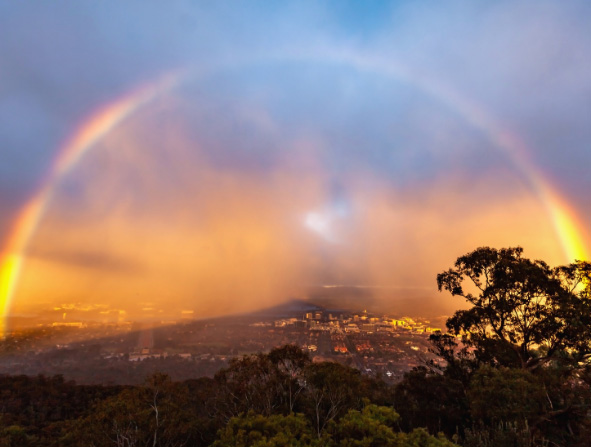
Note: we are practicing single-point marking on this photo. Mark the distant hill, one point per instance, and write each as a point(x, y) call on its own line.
point(294, 307)
point(402, 302)
point(343, 298)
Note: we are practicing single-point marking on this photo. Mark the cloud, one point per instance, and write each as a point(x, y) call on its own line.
point(99, 261)
point(202, 198)
point(160, 217)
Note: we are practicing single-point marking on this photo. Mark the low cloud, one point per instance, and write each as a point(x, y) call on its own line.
point(150, 215)
point(274, 168)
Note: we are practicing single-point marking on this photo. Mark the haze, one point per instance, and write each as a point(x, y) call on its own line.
point(276, 167)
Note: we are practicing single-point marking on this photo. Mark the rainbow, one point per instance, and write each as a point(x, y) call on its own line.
point(92, 130)
point(563, 218)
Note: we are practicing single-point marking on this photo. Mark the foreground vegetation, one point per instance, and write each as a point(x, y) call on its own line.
point(515, 372)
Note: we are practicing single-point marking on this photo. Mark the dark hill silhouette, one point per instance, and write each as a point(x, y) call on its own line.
point(294, 307)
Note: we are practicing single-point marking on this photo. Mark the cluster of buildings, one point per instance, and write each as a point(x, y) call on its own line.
point(374, 344)
point(351, 324)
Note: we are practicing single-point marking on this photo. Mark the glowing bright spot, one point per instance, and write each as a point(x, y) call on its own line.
point(10, 265)
point(320, 223)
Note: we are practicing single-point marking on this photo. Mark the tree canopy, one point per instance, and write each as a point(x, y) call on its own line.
point(524, 313)
point(522, 368)
point(514, 370)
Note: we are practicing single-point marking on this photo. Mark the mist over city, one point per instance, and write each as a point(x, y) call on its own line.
point(186, 183)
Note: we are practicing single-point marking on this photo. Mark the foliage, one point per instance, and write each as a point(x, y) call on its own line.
point(16, 436)
point(263, 383)
point(432, 400)
point(248, 383)
point(526, 346)
point(331, 390)
point(503, 434)
point(513, 370)
point(38, 408)
point(256, 430)
point(524, 314)
point(373, 426)
point(153, 415)
point(503, 394)
point(289, 363)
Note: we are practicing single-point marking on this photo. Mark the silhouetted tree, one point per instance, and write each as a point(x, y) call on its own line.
point(531, 324)
point(249, 383)
point(289, 362)
point(430, 399)
point(331, 390)
point(153, 415)
point(523, 313)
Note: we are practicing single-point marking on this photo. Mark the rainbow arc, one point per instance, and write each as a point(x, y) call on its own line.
point(100, 123)
point(92, 130)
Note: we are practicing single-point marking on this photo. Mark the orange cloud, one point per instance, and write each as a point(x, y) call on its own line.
point(152, 216)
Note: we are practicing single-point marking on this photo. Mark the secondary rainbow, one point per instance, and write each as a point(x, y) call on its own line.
point(91, 131)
